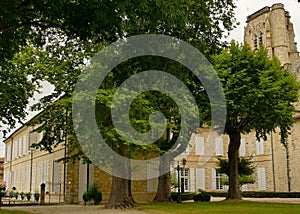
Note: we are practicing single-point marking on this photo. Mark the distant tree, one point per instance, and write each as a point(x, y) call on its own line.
point(259, 95)
point(246, 169)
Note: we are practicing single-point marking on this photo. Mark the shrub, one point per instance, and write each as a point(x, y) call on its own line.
point(36, 196)
point(92, 193)
point(28, 195)
point(184, 196)
point(22, 194)
point(202, 196)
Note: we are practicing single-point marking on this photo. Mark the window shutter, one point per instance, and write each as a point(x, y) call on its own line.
point(41, 174)
point(187, 150)
point(219, 146)
point(20, 151)
point(33, 177)
point(200, 179)
point(213, 179)
point(199, 145)
point(28, 178)
point(55, 177)
point(243, 147)
point(24, 144)
point(32, 139)
point(192, 179)
point(261, 175)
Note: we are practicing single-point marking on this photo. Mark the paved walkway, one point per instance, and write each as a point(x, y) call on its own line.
point(74, 209)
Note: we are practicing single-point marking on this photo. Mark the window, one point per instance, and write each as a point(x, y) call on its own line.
point(261, 178)
point(260, 38)
point(255, 43)
point(219, 150)
point(184, 178)
point(199, 145)
point(217, 181)
point(260, 146)
point(243, 147)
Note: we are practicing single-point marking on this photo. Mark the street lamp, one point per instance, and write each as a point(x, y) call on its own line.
point(178, 173)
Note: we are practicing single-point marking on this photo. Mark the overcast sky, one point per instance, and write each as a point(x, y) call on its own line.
point(245, 8)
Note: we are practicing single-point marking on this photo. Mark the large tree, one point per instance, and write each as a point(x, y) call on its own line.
point(88, 22)
point(259, 95)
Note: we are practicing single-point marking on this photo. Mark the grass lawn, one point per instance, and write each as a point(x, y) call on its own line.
point(12, 212)
point(221, 207)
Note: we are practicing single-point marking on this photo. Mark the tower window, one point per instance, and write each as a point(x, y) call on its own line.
point(255, 42)
point(260, 38)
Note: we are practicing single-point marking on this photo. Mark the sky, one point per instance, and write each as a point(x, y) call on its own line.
point(244, 8)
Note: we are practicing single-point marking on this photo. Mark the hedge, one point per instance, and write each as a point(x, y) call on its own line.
point(184, 196)
point(256, 194)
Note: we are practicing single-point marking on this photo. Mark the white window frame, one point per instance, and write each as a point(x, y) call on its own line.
point(184, 174)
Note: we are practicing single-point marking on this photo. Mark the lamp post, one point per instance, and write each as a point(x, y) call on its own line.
point(178, 173)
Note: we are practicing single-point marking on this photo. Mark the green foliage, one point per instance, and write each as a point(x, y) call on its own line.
point(246, 166)
point(186, 196)
point(259, 92)
point(246, 169)
point(92, 194)
point(28, 195)
point(202, 197)
point(259, 97)
point(22, 194)
point(261, 194)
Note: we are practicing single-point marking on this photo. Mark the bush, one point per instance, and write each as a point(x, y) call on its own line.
point(92, 193)
point(260, 194)
point(184, 196)
point(202, 196)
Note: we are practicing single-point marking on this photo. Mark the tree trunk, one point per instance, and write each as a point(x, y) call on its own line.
point(163, 193)
point(120, 195)
point(233, 160)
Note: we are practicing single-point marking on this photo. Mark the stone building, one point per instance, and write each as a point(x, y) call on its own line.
point(277, 166)
point(1, 171)
point(272, 28)
point(26, 169)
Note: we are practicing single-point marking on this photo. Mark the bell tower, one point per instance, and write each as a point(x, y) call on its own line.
point(271, 27)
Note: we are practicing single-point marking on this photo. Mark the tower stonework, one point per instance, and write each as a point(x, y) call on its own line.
point(271, 27)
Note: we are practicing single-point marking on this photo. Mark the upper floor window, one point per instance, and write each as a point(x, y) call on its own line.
point(260, 146)
point(219, 146)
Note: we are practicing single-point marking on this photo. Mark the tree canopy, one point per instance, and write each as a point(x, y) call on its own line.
point(60, 35)
point(259, 95)
point(25, 22)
